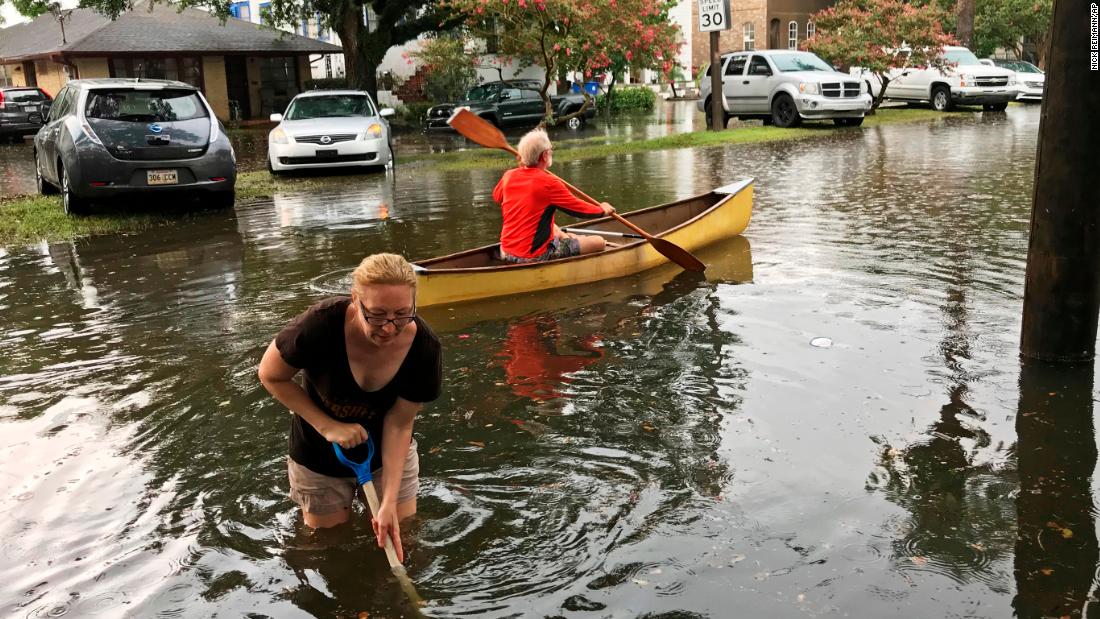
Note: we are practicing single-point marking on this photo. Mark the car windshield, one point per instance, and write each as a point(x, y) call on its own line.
point(330, 106)
point(961, 57)
point(1021, 66)
point(803, 61)
point(24, 96)
point(144, 105)
point(482, 93)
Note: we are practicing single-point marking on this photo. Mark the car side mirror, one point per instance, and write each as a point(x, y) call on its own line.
point(386, 111)
point(276, 118)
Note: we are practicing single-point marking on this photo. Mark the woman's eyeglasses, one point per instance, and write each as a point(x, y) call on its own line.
point(378, 321)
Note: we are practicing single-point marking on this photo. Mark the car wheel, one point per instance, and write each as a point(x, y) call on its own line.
point(44, 188)
point(223, 200)
point(725, 117)
point(995, 107)
point(941, 98)
point(72, 204)
point(392, 161)
point(575, 123)
point(784, 112)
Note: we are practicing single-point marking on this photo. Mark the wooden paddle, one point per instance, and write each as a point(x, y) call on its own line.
point(483, 132)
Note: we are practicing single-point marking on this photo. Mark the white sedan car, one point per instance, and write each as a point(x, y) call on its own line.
point(330, 129)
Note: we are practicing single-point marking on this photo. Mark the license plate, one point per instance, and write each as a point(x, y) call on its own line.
point(327, 153)
point(162, 177)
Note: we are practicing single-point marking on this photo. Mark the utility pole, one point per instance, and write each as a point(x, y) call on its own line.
point(1062, 290)
point(714, 17)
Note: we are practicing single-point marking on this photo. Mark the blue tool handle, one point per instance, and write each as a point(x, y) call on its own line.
point(361, 469)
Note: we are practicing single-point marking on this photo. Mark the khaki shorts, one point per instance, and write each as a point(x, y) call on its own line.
point(321, 494)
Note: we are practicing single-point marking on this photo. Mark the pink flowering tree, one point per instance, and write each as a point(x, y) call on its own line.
point(867, 34)
point(580, 36)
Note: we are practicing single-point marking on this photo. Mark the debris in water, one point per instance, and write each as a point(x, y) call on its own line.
point(735, 559)
point(477, 444)
point(821, 342)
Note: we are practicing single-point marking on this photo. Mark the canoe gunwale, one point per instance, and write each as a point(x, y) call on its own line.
point(423, 267)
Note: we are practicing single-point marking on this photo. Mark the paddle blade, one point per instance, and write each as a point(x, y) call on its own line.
point(477, 129)
point(678, 254)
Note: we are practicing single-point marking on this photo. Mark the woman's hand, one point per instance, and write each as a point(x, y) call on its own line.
point(346, 435)
point(385, 523)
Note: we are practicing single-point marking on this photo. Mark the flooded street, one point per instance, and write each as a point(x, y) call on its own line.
point(832, 422)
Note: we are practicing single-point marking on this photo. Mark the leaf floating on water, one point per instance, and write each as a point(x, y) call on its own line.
point(639, 581)
point(1046, 571)
point(735, 559)
point(477, 444)
point(919, 560)
point(435, 450)
point(978, 547)
point(464, 336)
point(1066, 533)
point(364, 614)
point(648, 427)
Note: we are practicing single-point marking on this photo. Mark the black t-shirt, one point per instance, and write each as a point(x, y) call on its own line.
point(314, 342)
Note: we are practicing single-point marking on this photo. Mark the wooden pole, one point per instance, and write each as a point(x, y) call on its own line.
point(717, 115)
point(1062, 290)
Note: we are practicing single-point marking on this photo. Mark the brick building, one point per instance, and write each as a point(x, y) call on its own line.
point(758, 24)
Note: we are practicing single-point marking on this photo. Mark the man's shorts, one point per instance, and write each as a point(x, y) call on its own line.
point(321, 494)
point(558, 248)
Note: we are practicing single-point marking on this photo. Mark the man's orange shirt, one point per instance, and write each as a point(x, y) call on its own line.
point(528, 198)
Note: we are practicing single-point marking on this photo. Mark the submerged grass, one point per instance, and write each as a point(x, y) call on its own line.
point(29, 219)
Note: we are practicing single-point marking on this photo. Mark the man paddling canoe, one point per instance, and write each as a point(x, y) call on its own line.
point(528, 196)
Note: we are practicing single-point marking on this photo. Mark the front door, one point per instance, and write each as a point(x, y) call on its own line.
point(757, 86)
point(29, 74)
point(510, 106)
point(236, 84)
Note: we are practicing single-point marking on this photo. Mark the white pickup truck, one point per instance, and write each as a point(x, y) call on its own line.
point(964, 80)
point(785, 87)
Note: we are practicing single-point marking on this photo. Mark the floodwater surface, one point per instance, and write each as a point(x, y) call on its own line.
point(831, 422)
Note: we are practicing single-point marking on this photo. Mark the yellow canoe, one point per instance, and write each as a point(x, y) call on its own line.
point(692, 223)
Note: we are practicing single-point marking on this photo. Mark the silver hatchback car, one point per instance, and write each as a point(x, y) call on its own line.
point(105, 138)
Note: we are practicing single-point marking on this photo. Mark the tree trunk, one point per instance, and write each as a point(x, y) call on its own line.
point(348, 26)
point(607, 100)
point(964, 28)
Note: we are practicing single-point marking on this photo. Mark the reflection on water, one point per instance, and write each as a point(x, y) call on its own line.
point(668, 443)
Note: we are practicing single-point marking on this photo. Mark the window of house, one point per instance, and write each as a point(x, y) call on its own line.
point(792, 35)
point(187, 69)
point(265, 12)
point(810, 29)
point(241, 10)
point(749, 36)
point(5, 75)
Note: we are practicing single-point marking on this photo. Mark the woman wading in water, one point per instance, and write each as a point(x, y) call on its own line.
point(368, 363)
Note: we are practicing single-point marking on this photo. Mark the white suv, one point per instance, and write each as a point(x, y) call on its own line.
point(964, 81)
point(785, 87)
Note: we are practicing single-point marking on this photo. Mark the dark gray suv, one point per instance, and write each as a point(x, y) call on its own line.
point(105, 138)
point(20, 111)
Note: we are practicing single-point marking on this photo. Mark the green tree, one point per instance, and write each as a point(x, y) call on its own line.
point(579, 36)
point(866, 33)
point(1009, 23)
point(450, 68)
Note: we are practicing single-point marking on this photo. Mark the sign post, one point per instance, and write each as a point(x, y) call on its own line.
point(714, 16)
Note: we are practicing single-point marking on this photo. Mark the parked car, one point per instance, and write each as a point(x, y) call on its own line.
point(511, 103)
point(963, 81)
point(104, 138)
point(330, 129)
point(785, 87)
point(19, 111)
point(1030, 79)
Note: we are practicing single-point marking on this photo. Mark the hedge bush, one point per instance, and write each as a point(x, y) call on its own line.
point(629, 99)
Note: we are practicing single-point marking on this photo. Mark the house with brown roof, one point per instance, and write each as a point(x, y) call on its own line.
point(238, 65)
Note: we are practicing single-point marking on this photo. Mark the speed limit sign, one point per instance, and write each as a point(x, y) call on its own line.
point(714, 15)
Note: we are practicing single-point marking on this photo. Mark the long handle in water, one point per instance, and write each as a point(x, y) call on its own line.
point(364, 476)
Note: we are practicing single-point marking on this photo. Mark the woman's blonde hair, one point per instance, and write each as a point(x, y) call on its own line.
point(532, 146)
point(383, 270)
